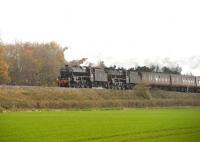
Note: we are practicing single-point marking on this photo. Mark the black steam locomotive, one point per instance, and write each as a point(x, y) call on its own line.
point(111, 78)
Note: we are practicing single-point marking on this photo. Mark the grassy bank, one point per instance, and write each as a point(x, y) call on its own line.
point(138, 125)
point(22, 97)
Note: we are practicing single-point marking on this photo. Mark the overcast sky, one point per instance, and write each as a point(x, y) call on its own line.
point(121, 32)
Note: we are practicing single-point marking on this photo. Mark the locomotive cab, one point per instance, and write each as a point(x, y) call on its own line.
point(64, 77)
point(74, 76)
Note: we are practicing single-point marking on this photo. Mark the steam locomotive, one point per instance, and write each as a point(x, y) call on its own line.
point(111, 78)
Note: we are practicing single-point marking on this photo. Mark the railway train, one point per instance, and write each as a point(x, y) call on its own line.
point(110, 78)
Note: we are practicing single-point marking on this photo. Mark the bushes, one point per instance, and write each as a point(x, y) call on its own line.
point(142, 90)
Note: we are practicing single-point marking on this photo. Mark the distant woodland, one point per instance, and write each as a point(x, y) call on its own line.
point(39, 64)
point(30, 63)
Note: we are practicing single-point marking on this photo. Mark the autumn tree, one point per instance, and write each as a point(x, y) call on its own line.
point(3, 66)
point(34, 63)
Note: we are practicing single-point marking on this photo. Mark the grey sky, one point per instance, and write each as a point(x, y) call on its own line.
point(122, 32)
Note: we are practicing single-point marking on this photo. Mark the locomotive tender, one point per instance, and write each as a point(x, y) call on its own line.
point(110, 78)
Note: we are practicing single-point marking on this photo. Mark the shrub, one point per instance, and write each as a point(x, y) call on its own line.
point(142, 90)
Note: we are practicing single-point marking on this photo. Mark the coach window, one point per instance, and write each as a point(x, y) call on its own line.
point(156, 78)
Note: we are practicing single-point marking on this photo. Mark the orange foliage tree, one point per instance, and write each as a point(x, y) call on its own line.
point(34, 63)
point(3, 66)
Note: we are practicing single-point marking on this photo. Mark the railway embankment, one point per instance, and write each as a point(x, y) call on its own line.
point(32, 97)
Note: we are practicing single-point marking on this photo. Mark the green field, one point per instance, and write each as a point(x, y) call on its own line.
point(141, 125)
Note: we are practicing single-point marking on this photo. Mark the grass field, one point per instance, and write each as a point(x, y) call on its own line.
point(131, 125)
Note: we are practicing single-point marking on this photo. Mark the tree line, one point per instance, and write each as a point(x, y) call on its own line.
point(152, 68)
point(30, 63)
point(156, 68)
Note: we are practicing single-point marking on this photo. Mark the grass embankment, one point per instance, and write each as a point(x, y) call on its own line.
point(19, 97)
point(138, 125)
